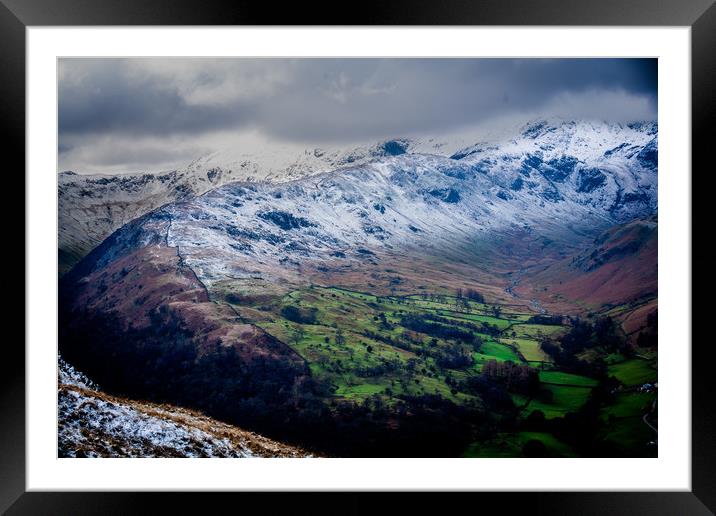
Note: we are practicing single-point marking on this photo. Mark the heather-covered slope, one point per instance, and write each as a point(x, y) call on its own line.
point(619, 266)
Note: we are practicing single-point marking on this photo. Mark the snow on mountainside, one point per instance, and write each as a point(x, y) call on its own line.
point(552, 179)
point(92, 206)
point(94, 424)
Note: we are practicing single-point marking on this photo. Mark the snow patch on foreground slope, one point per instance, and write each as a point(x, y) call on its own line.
point(94, 424)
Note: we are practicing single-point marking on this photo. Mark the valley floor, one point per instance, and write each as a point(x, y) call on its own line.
point(378, 350)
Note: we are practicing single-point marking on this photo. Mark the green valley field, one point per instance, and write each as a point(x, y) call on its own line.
point(377, 351)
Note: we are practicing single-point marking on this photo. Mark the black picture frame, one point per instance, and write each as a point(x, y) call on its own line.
point(700, 15)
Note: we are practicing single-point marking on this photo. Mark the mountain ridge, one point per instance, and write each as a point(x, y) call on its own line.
point(406, 201)
point(91, 207)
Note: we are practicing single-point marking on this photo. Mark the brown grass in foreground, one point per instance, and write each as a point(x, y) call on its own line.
point(102, 441)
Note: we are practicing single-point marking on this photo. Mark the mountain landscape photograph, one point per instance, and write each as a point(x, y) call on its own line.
point(357, 257)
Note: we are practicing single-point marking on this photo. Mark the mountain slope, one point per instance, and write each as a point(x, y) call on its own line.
point(94, 424)
point(596, 161)
point(619, 266)
point(488, 204)
point(93, 206)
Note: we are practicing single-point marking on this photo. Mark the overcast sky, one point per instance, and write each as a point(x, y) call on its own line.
point(137, 115)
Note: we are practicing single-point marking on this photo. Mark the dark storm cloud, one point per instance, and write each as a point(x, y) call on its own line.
point(343, 99)
point(327, 100)
point(108, 96)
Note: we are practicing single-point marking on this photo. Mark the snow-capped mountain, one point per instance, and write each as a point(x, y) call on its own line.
point(552, 179)
point(92, 206)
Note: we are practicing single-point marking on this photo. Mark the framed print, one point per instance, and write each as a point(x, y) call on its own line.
point(425, 251)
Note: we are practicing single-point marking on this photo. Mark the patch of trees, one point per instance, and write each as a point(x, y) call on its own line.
point(649, 337)
point(582, 429)
point(386, 366)
point(583, 335)
point(567, 361)
point(471, 294)
point(447, 357)
point(423, 324)
point(383, 322)
point(435, 298)
point(552, 320)
point(578, 338)
point(606, 336)
point(518, 378)
point(453, 357)
point(481, 327)
point(493, 394)
point(490, 329)
point(474, 295)
point(299, 315)
point(427, 425)
point(395, 342)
